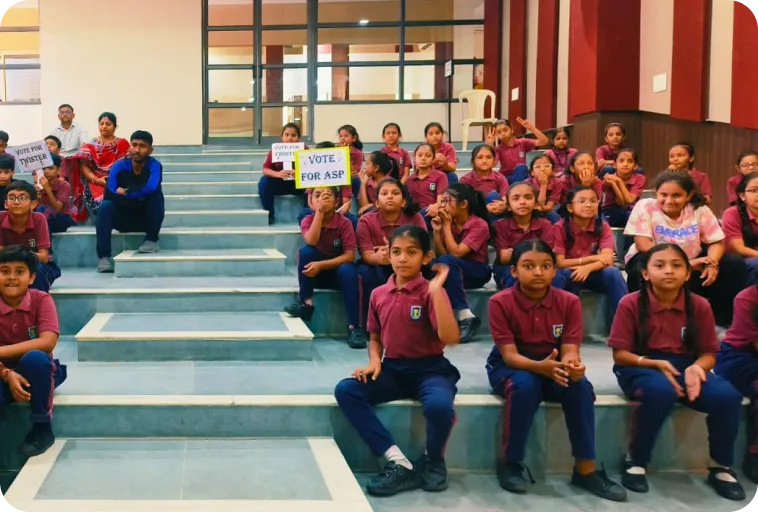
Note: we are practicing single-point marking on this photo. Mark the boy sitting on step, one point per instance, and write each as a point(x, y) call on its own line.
point(28, 335)
point(21, 225)
point(54, 195)
point(7, 171)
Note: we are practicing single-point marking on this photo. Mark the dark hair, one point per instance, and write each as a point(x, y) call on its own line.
point(325, 144)
point(143, 136)
point(526, 246)
point(56, 159)
point(631, 151)
point(293, 126)
point(22, 186)
point(535, 213)
point(110, 116)
point(478, 149)
point(563, 129)
point(389, 125)
point(748, 235)
point(568, 215)
point(427, 145)
point(411, 208)
point(66, 105)
point(420, 235)
point(643, 304)
point(386, 164)
point(7, 162)
point(690, 151)
point(574, 158)
point(54, 139)
point(503, 122)
point(615, 125)
point(685, 181)
point(19, 254)
point(433, 124)
point(539, 157)
point(476, 203)
point(745, 154)
point(4, 137)
point(349, 128)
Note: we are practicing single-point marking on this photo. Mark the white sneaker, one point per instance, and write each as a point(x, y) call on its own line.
point(148, 247)
point(105, 266)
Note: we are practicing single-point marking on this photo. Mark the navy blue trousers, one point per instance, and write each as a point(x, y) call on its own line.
point(740, 368)
point(47, 273)
point(520, 173)
point(656, 396)
point(504, 279)
point(524, 392)
point(44, 375)
point(452, 177)
point(464, 275)
point(430, 380)
point(57, 222)
point(269, 188)
point(371, 277)
point(144, 216)
point(343, 278)
point(608, 281)
point(309, 211)
point(609, 169)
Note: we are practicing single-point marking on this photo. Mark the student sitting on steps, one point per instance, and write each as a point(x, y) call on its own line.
point(7, 171)
point(54, 198)
point(28, 335)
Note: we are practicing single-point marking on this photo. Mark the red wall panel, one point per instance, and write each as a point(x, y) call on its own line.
point(744, 68)
point(690, 67)
point(493, 53)
point(517, 63)
point(547, 64)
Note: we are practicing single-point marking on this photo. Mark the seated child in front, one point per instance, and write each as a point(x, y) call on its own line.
point(394, 208)
point(664, 347)
point(622, 189)
point(582, 171)
point(54, 195)
point(348, 137)
point(392, 136)
point(28, 335)
point(560, 152)
point(512, 151)
point(486, 180)
point(7, 171)
point(21, 225)
point(615, 135)
point(426, 184)
point(740, 225)
point(328, 261)
point(379, 166)
point(537, 331)
point(747, 163)
point(276, 181)
point(411, 322)
point(53, 144)
point(682, 159)
point(445, 157)
point(549, 188)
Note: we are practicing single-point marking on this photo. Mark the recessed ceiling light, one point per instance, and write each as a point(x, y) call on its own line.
point(363, 22)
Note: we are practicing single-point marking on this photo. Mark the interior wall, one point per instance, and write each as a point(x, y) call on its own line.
point(23, 123)
point(656, 51)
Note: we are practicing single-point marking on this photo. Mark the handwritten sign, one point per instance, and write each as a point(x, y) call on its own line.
point(33, 156)
point(328, 167)
point(284, 152)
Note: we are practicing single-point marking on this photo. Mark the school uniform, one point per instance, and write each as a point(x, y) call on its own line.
point(35, 315)
point(617, 215)
point(448, 150)
point(373, 230)
point(4, 194)
point(493, 186)
point(587, 242)
point(473, 270)
point(656, 396)
point(346, 196)
point(270, 187)
point(702, 181)
point(413, 367)
point(35, 237)
point(731, 188)
point(508, 235)
point(356, 165)
point(555, 188)
point(731, 224)
point(536, 328)
point(561, 160)
point(337, 237)
point(693, 231)
point(606, 152)
point(401, 156)
point(570, 182)
point(513, 159)
point(57, 222)
point(424, 191)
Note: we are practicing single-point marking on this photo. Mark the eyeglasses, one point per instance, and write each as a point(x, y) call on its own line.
point(752, 191)
point(17, 199)
point(753, 165)
point(66, 113)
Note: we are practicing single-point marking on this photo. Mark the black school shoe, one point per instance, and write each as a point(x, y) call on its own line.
point(635, 483)
point(300, 310)
point(39, 439)
point(468, 328)
point(511, 476)
point(729, 490)
point(433, 473)
point(750, 467)
point(393, 480)
point(356, 338)
point(599, 484)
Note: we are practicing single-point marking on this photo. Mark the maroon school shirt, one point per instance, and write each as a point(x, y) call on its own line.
point(731, 188)
point(425, 191)
point(448, 150)
point(635, 185)
point(743, 334)
point(36, 314)
point(475, 234)
point(536, 328)
point(401, 156)
point(508, 235)
point(373, 228)
point(586, 241)
point(275, 166)
point(702, 181)
point(492, 182)
point(404, 318)
point(731, 225)
point(61, 190)
point(665, 327)
point(561, 160)
point(570, 182)
point(605, 152)
point(511, 156)
point(356, 160)
point(554, 189)
point(35, 237)
point(337, 236)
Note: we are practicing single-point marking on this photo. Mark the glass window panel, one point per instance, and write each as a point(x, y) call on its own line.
point(230, 12)
point(444, 10)
point(273, 118)
point(22, 14)
point(21, 84)
point(20, 59)
point(291, 12)
point(230, 48)
point(285, 47)
point(231, 122)
point(429, 82)
point(444, 42)
point(350, 11)
point(358, 83)
point(230, 86)
point(285, 85)
point(19, 43)
point(358, 44)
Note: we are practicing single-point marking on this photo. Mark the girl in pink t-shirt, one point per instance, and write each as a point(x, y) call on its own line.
point(679, 215)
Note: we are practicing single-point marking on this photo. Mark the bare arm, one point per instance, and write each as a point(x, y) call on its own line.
point(345, 257)
point(643, 243)
point(453, 247)
point(313, 235)
point(46, 343)
point(738, 245)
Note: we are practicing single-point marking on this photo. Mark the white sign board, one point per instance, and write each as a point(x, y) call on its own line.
point(328, 167)
point(448, 68)
point(31, 157)
point(284, 152)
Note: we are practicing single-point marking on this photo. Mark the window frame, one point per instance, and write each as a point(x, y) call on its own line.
point(4, 68)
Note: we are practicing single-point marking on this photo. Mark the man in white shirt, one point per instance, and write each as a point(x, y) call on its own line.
point(71, 134)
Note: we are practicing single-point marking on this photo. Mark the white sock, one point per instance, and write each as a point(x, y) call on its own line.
point(722, 475)
point(464, 314)
point(393, 454)
point(634, 470)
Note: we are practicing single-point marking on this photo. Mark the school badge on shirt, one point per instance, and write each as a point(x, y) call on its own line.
point(33, 334)
point(684, 333)
point(337, 243)
point(558, 331)
point(32, 243)
point(415, 312)
point(521, 154)
point(432, 187)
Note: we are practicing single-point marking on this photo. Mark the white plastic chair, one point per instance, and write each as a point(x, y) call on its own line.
point(476, 99)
